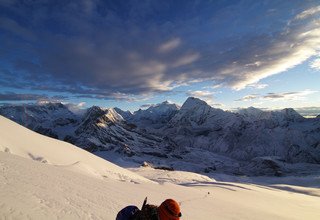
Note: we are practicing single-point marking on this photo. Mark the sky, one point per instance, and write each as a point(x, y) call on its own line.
point(129, 54)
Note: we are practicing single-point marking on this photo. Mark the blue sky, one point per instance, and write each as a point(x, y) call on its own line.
point(133, 53)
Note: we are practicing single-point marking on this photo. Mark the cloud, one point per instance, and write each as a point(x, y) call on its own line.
point(128, 51)
point(205, 95)
point(315, 64)
point(77, 108)
point(309, 12)
point(169, 45)
point(284, 96)
point(244, 60)
point(288, 95)
point(20, 97)
point(10, 96)
point(12, 26)
point(186, 59)
point(146, 105)
point(308, 111)
point(279, 54)
point(258, 85)
point(248, 97)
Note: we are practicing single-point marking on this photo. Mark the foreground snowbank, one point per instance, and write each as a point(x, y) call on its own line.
point(53, 189)
point(33, 190)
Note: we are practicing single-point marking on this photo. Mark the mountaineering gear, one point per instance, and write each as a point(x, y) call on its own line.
point(127, 213)
point(169, 210)
point(148, 212)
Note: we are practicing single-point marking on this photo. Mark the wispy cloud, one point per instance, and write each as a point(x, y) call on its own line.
point(248, 97)
point(284, 96)
point(258, 85)
point(297, 43)
point(186, 59)
point(315, 64)
point(169, 45)
point(289, 95)
point(146, 105)
point(205, 95)
point(77, 108)
point(309, 12)
point(309, 111)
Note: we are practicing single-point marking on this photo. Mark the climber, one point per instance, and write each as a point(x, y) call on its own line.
point(168, 210)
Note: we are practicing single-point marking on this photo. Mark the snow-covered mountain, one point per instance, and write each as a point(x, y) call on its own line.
point(105, 129)
point(156, 116)
point(195, 137)
point(248, 134)
point(51, 119)
point(278, 117)
point(97, 129)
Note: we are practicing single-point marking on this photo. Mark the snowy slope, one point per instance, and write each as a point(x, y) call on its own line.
point(17, 140)
point(30, 189)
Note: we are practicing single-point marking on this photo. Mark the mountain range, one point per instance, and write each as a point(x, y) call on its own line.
point(194, 137)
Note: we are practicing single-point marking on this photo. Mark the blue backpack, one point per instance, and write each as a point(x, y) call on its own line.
point(127, 213)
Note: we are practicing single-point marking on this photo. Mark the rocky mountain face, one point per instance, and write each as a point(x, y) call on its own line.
point(154, 117)
point(248, 134)
point(98, 129)
point(106, 130)
point(50, 119)
point(195, 137)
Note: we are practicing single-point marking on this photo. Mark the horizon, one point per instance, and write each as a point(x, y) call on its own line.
point(231, 54)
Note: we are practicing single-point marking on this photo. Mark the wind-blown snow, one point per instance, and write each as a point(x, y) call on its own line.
point(58, 188)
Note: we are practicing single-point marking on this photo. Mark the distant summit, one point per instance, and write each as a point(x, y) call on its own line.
point(192, 103)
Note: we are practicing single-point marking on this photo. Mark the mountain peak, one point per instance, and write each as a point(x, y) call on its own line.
point(251, 112)
point(292, 114)
point(125, 114)
point(165, 102)
point(193, 102)
point(113, 115)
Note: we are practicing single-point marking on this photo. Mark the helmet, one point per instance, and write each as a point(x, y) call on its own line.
point(169, 210)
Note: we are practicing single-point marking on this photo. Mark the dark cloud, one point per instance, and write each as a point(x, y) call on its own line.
point(114, 50)
point(20, 97)
point(298, 95)
point(272, 95)
point(289, 95)
point(27, 97)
